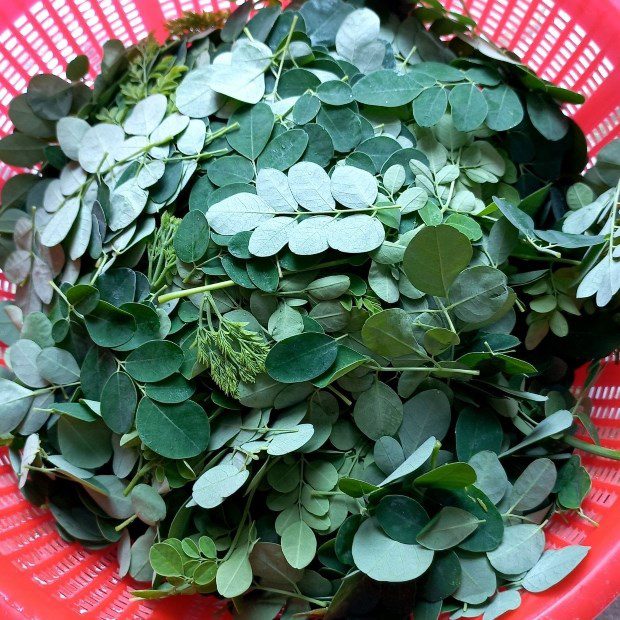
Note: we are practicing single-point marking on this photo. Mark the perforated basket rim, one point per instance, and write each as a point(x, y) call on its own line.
point(70, 582)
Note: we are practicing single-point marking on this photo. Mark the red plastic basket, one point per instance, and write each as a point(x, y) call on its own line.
point(573, 43)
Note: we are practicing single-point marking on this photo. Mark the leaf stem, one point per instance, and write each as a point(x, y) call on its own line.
point(162, 299)
point(125, 523)
point(301, 597)
point(340, 395)
point(139, 475)
point(460, 371)
point(608, 453)
point(287, 43)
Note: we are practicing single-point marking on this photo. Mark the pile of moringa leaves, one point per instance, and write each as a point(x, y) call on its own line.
point(298, 304)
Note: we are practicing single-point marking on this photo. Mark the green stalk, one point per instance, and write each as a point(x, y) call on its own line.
point(460, 371)
point(125, 523)
point(188, 292)
point(608, 453)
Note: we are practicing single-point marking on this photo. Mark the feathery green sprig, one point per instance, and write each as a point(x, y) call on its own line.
point(160, 251)
point(230, 352)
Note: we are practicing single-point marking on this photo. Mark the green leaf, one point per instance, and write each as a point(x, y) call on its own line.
point(355, 234)
point(298, 544)
point(234, 575)
point(306, 108)
point(98, 145)
point(194, 97)
point(109, 326)
point(384, 559)
point(401, 518)
point(148, 504)
point(77, 68)
point(83, 297)
point(353, 187)
point(84, 444)
point(503, 601)
point(57, 229)
point(357, 40)
point(388, 454)
point(346, 361)
point(270, 566)
point(553, 566)
point(284, 443)
point(505, 109)
point(118, 402)
point(166, 560)
point(22, 359)
point(344, 539)
point(383, 283)
point(15, 401)
point(301, 358)
point(334, 92)
point(236, 22)
point(355, 488)
point(146, 115)
point(309, 185)
point(447, 528)
point(238, 213)
point(469, 107)
point(243, 78)
point(219, 482)
point(70, 131)
point(425, 415)
point(448, 476)
point(284, 150)
point(18, 149)
point(154, 361)
point(385, 88)
point(273, 187)
point(546, 116)
point(491, 529)
point(555, 423)
point(477, 430)
point(533, 486)
point(173, 431)
point(425, 610)
point(414, 462)
point(97, 368)
point(149, 325)
point(518, 218)
point(573, 484)
point(192, 237)
point(443, 577)
point(74, 410)
point(255, 126)
point(343, 127)
point(270, 236)
point(478, 581)
point(49, 96)
point(390, 333)
point(491, 478)
point(378, 411)
point(430, 106)
point(174, 389)
point(519, 550)
point(435, 257)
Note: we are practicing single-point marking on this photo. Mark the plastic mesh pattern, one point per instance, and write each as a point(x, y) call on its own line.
point(571, 42)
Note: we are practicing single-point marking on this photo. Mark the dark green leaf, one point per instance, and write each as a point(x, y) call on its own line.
point(434, 257)
point(154, 361)
point(301, 358)
point(401, 518)
point(173, 431)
